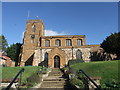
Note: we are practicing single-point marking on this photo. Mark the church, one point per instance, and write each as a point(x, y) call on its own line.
point(53, 51)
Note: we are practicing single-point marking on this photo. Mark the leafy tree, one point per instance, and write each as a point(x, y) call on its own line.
point(13, 51)
point(112, 44)
point(3, 43)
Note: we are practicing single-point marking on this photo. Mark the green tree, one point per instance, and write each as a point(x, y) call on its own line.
point(13, 51)
point(112, 44)
point(3, 43)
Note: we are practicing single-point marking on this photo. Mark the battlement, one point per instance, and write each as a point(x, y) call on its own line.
point(35, 21)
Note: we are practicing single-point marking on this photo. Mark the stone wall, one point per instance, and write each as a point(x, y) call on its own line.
point(70, 53)
point(39, 56)
point(85, 53)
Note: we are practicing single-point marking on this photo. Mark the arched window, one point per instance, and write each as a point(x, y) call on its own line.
point(47, 43)
point(46, 56)
point(46, 59)
point(79, 42)
point(33, 28)
point(57, 42)
point(78, 54)
point(68, 42)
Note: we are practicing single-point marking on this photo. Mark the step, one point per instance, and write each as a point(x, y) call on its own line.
point(55, 74)
point(54, 79)
point(56, 71)
point(52, 85)
point(60, 86)
point(53, 82)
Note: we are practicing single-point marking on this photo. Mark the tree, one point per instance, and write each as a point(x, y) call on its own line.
point(3, 43)
point(112, 44)
point(13, 51)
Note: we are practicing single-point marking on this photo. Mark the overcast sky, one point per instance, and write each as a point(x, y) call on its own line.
point(95, 20)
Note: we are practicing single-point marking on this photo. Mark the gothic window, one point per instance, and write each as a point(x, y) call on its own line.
point(79, 42)
point(33, 28)
point(78, 54)
point(57, 42)
point(40, 41)
point(47, 43)
point(68, 42)
point(46, 56)
point(46, 59)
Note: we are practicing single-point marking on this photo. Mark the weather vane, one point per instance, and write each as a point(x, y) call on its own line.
point(36, 17)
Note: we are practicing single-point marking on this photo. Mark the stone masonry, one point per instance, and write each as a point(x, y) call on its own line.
point(52, 51)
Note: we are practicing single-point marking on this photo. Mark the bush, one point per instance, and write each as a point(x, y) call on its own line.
point(34, 79)
point(42, 70)
point(74, 61)
point(112, 84)
point(77, 82)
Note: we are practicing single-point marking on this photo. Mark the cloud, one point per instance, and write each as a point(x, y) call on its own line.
point(22, 36)
point(53, 33)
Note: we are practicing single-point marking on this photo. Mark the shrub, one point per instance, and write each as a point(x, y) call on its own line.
point(34, 79)
point(74, 61)
point(112, 84)
point(77, 82)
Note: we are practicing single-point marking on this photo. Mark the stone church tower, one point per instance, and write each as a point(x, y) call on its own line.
point(52, 51)
point(32, 39)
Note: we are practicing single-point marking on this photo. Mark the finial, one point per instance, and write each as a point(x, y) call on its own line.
point(36, 17)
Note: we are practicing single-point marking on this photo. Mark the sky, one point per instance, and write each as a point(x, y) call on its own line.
point(96, 20)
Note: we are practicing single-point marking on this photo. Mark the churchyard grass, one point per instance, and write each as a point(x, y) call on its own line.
point(107, 70)
point(10, 72)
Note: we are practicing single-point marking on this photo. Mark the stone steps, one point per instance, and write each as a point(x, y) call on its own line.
point(54, 80)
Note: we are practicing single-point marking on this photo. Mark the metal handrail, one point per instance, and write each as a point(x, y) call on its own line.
point(19, 73)
point(89, 78)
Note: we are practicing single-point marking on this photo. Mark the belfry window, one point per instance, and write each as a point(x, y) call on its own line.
point(33, 28)
point(68, 42)
point(57, 42)
point(47, 43)
point(79, 42)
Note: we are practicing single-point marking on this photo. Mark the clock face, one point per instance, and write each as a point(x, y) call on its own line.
point(32, 36)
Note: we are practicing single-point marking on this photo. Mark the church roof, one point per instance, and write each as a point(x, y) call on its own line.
point(65, 36)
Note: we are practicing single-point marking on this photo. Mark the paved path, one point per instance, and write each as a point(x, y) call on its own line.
point(56, 81)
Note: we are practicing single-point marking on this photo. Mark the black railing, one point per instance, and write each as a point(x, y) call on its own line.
point(98, 87)
point(19, 73)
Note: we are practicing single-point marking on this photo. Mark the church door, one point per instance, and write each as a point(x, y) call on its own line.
point(56, 62)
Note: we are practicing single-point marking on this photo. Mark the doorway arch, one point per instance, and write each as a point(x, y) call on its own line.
point(56, 61)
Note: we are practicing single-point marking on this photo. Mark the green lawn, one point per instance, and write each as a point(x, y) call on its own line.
point(107, 70)
point(10, 72)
